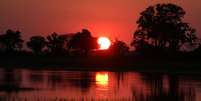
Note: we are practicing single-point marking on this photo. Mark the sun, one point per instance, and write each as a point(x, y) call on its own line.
point(104, 43)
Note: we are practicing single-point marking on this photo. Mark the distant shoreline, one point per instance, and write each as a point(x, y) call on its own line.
point(102, 64)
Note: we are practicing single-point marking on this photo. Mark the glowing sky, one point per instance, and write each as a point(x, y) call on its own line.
point(111, 18)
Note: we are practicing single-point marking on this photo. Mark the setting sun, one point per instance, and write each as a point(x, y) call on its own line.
point(104, 43)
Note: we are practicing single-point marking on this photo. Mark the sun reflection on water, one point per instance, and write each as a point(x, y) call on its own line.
point(102, 79)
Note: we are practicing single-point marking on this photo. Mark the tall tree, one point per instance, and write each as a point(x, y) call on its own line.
point(11, 41)
point(83, 41)
point(36, 44)
point(162, 26)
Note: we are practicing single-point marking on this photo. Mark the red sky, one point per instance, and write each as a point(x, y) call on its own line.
point(111, 18)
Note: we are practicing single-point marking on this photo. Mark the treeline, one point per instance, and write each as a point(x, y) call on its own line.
point(78, 44)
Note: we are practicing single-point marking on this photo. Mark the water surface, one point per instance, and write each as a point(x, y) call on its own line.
point(49, 85)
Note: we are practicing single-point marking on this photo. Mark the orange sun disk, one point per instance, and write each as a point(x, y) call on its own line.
point(104, 43)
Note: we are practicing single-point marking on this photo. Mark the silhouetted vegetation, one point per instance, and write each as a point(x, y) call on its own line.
point(11, 41)
point(36, 44)
point(83, 41)
point(162, 27)
point(55, 44)
point(119, 48)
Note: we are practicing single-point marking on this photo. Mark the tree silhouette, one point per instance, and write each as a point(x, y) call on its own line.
point(83, 41)
point(162, 26)
point(11, 41)
point(119, 48)
point(55, 43)
point(36, 44)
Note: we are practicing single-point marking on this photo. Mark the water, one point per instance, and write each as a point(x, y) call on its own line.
point(47, 85)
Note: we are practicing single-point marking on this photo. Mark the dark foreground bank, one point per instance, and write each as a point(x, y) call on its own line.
point(149, 64)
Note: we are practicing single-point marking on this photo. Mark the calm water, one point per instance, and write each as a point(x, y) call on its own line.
point(44, 85)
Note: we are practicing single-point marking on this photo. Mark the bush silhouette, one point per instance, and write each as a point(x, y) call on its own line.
point(36, 44)
point(119, 48)
point(11, 41)
point(56, 43)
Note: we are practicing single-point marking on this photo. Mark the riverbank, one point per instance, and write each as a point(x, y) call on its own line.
point(103, 64)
